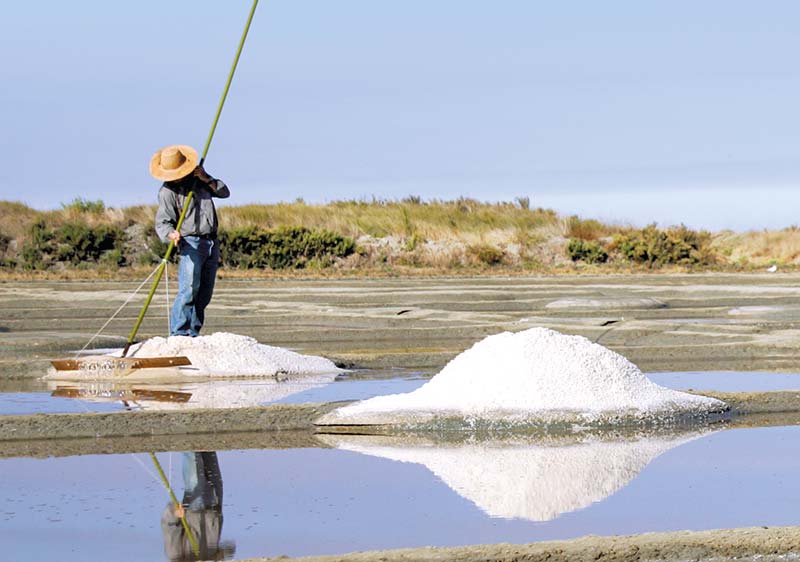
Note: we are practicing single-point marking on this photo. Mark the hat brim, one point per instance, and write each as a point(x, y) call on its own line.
point(177, 173)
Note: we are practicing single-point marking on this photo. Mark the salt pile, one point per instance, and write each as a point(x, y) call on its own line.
point(220, 355)
point(536, 480)
point(528, 377)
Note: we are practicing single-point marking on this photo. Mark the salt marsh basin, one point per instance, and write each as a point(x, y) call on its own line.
point(397, 333)
point(307, 497)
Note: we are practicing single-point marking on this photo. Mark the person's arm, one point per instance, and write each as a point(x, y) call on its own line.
point(167, 214)
point(174, 535)
point(217, 187)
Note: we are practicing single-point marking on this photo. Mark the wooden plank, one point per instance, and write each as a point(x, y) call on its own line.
point(119, 363)
point(126, 394)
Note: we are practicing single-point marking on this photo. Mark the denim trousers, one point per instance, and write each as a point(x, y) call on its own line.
point(197, 272)
point(202, 481)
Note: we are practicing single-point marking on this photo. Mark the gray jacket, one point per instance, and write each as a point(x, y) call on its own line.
point(201, 218)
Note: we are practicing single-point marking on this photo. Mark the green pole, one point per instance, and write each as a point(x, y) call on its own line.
point(228, 83)
point(171, 246)
point(192, 539)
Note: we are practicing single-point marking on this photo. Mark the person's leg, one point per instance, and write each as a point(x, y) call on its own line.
point(208, 278)
point(192, 469)
point(202, 481)
point(189, 270)
point(212, 493)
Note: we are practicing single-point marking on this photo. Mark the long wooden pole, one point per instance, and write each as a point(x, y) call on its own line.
point(171, 247)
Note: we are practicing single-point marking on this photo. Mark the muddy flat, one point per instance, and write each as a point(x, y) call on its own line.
point(660, 322)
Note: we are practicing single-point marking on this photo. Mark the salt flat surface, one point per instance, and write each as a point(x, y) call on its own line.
point(524, 376)
point(219, 355)
point(535, 480)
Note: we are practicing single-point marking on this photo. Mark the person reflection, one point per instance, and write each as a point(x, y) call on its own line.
point(202, 509)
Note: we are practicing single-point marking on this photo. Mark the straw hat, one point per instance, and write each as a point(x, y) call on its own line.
point(173, 162)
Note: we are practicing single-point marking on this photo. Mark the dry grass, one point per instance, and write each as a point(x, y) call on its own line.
point(589, 229)
point(437, 220)
point(434, 237)
point(757, 248)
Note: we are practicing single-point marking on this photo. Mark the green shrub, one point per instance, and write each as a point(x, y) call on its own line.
point(37, 248)
point(486, 254)
point(76, 242)
point(589, 251)
point(32, 257)
point(154, 250)
point(41, 235)
point(585, 229)
point(655, 247)
point(84, 206)
point(113, 258)
point(288, 247)
point(412, 242)
point(73, 241)
point(6, 261)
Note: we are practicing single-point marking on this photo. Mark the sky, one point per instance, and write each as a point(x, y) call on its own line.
point(633, 112)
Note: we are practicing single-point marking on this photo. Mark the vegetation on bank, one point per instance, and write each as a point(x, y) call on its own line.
point(380, 236)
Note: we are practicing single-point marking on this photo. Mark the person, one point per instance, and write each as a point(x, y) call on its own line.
point(201, 508)
point(197, 240)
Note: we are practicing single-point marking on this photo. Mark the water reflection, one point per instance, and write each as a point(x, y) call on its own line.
point(197, 537)
point(532, 478)
point(204, 394)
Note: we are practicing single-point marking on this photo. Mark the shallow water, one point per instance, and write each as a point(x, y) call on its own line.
point(37, 397)
point(317, 500)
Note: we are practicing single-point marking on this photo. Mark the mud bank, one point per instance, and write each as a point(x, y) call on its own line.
point(758, 543)
point(747, 409)
point(163, 423)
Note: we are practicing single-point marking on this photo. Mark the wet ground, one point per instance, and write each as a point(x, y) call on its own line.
point(304, 493)
point(697, 322)
point(25, 396)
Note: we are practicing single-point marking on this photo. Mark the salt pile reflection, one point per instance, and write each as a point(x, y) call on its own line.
point(207, 394)
point(532, 478)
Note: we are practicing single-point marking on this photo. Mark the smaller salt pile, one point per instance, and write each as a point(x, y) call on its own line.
point(534, 376)
point(219, 355)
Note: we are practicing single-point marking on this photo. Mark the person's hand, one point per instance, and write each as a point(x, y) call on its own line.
point(202, 175)
point(179, 511)
point(175, 236)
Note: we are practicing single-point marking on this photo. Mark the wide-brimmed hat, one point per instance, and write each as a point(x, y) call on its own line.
point(173, 162)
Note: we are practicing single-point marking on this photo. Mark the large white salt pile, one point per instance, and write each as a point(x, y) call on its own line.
point(537, 480)
point(218, 355)
point(533, 375)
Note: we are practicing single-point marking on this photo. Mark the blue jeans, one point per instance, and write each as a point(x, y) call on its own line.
point(197, 272)
point(202, 481)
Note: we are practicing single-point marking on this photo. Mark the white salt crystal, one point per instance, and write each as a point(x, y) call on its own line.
point(219, 355)
point(533, 373)
point(224, 354)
